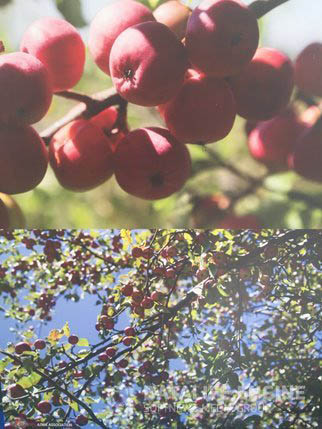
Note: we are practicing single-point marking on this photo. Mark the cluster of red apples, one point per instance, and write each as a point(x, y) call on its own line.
point(199, 68)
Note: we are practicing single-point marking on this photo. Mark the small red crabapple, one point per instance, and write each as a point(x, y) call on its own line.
point(110, 351)
point(73, 339)
point(44, 407)
point(127, 341)
point(127, 290)
point(40, 344)
point(22, 347)
point(129, 331)
point(200, 402)
point(81, 420)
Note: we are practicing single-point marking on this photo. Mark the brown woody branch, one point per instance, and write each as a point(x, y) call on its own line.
point(61, 389)
point(88, 107)
point(261, 7)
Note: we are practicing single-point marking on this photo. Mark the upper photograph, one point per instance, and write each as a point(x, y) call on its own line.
point(166, 114)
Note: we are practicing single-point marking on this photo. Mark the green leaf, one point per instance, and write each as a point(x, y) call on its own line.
point(48, 396)
point(4, 363)
point(73, 405)
point(83, 342)
point(72, 12)
point(66, 329)
point(126, 237)
point(32, 380)
point(54, 336)
point(66, 346)
point(28, 364)
point(83, 353)
point(222, 291)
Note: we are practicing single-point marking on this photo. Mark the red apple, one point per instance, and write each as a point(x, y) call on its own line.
point(127, 341)
point(81, 420)
point(40, 344)
point(148, 64)
point(123, 363)
point(81, 156)
point(127, 290)
point(147, 302)
point(44, 407)
point(129, 331)
point(106, 120)
point(264, 87)
point(109, 23)
point(271, 142)
point(22, 347)
point(73, 339)
point(103, 357)
point(203, 111)
point(23, 159)
point(307, 157)
point(200, 402)
point(137, 296)
point(59, 46)
point(137, 252)
point(16, 391)
point(110, 351)
point(222, 36)
point(150, 163)
point(25, 87)
point(308, 70)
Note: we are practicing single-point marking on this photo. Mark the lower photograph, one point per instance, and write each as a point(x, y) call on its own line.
point(160, 328)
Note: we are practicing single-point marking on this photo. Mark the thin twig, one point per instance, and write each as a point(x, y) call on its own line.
point(261, 7)
point(85, 109)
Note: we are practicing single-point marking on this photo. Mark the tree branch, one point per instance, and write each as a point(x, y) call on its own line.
point(61, 389)
point(88, 107)
point(261, 7)
point(245, 260)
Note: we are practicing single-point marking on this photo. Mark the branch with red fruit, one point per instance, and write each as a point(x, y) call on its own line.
point(59, 388)
point(208, 82)
point(290, 241)
point(96, 103)
point(89, 106)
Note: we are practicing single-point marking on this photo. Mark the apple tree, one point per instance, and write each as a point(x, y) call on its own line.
point(192, 328)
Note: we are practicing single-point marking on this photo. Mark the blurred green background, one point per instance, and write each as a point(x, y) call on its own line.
point(284, 200)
